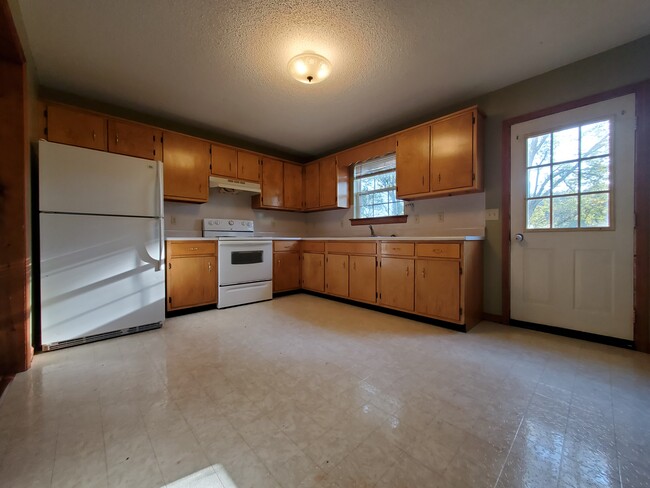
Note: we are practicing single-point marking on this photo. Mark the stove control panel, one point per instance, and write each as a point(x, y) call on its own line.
point(230, 225)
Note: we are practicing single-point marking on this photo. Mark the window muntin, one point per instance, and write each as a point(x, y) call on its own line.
point(375, 189)
point(569, 174)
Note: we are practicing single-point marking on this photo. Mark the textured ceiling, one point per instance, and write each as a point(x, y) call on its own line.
point(222, 65)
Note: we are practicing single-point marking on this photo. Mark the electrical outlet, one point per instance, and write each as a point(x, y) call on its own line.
point(172, 220)
point(441, 216)
point(492, 214)
point(417, 218)
point(342, 223)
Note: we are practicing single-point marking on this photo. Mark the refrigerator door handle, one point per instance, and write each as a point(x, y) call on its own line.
point(161, 215)
point(161, 240)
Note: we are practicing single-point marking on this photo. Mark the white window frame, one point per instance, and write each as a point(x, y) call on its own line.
point(386, 160)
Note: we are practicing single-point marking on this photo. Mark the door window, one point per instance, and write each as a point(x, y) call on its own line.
point(568, 175)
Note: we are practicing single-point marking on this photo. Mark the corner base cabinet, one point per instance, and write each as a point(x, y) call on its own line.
point(191, 274)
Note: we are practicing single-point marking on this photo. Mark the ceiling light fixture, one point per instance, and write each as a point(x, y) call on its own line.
point(309, 68)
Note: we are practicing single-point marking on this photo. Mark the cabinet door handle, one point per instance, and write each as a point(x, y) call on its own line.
point(354, 266)
point(210, 267)
point(94, 135)
point(407, 271)
point(343, 264)
point(117, 137)
point(424, 272)
point(422, 180)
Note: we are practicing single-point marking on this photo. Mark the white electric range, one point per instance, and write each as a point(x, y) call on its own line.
point(245, 262)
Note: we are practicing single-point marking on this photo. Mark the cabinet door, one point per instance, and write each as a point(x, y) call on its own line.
point(363, 278)
point(292, 186)
point(248, 166)
point(186, 165)
point(452, 152)
point(412, 161)
point(137, 140)
point(75, 127)
point(313, 271)
point(336, 275)
point(224, 161)
point(437, 288)
point(272, 183)
point(328, 182)
point(286, 271)
point(191, 281)
point(397, 283)
point(312, 186)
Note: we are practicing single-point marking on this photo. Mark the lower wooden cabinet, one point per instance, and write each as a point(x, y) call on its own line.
point(191, 274)
point(336, 274)
point(397, 283)
point(437, 288)
point(313, 271)
point(286, 266)
point(363, 278)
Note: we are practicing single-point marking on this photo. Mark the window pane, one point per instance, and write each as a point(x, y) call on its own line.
point(365, 200)
point(594, 210)
point(539, 182)
point(366, 184)
point(565, 145)
point(538, 150)
point(595, 139)
point(565, 178)
point(565, 212)
point(386, 180)
point(539, 213)
point(594, 175)
point(365, 212)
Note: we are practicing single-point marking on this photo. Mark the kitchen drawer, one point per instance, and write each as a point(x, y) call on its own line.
point(398, 248)
point(313, 246)
point(284, 246)
point(352, 247)
point(191, 248)
point(431, 250)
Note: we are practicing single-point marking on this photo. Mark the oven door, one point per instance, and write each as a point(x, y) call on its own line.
point(244, 262)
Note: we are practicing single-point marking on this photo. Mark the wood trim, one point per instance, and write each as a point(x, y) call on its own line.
point(641, 201)
point(492, 317)
point(10, 48)
point(395, 219)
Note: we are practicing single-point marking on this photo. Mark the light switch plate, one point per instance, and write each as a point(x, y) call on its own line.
point(492, 214)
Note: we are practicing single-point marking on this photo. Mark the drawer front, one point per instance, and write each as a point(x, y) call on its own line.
point(398, 248)
point(313, 246)
point(192, 248)
point(284, 246)
point(438, 250)
point(352, 247)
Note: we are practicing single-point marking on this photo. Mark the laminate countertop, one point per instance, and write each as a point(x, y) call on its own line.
point(378, 238)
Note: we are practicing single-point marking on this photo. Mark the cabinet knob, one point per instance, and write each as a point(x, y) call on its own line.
point(407, 271)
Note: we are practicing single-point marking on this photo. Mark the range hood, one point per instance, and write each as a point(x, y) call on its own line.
point(234, 186)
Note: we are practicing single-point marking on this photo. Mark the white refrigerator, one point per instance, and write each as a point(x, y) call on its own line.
point(102, 270)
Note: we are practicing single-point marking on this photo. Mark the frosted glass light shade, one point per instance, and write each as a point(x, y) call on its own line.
point(309, 68)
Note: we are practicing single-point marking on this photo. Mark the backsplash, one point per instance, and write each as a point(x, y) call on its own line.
point(185, 219)
point(459, 215)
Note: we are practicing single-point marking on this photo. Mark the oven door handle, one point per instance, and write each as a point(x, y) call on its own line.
point(244, 243)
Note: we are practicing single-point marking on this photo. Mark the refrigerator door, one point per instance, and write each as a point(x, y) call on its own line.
point(77, 180)
point(98, 274)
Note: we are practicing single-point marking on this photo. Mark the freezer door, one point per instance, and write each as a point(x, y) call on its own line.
point(77, 180)
point(98, 275)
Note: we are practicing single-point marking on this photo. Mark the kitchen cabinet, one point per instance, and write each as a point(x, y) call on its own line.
point(326, 185)
point(137, 140)
point(272, 183)
point(363, 278)
point(186, 166)
point(292, 182)
point(336, 274)
point(191, 274)
point(412, 161)
point(437, 288)
point(224, 161)
point(441, 158)
point(397, 282)
point(313, 265)
point(67, 125)
point(248, 166)
point(286, 266)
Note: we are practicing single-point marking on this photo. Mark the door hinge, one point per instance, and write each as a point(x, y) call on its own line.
point(473, 119)
point(210, 150)
point(161, 139)
point(170, 300)
point(473, 176)
point(397, 143)
point(327, 260)
point(460, 270)
point(380, 296)
point(376, 295)
point(170, 265)
point(460, 311)
point(45, 113)
point(45, 130)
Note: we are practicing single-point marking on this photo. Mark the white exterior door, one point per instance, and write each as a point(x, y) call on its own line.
point(572, 219)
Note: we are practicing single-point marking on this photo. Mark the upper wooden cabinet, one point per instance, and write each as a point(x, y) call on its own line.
point(281, 186)
point(186, 168)
point(292, 179)
point(441, 158)
point(248, 166)
point(75, 127)
point(412, 156)
point(326, 185)
point(137, 140)
point(224, 161)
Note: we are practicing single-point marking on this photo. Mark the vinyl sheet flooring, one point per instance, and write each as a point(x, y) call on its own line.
point(306, 392)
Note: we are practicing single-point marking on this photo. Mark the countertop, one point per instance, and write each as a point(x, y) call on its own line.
point(351, 238)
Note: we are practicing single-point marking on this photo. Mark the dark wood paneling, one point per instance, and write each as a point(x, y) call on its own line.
point(10, 48)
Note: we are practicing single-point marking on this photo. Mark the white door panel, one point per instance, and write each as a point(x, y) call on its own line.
point(98, 274)
point(580, 279)
point(79, 180)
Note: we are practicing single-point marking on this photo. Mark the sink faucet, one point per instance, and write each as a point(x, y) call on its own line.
point(372, 231)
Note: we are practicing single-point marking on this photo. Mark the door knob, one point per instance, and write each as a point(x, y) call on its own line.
point(519, 237)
